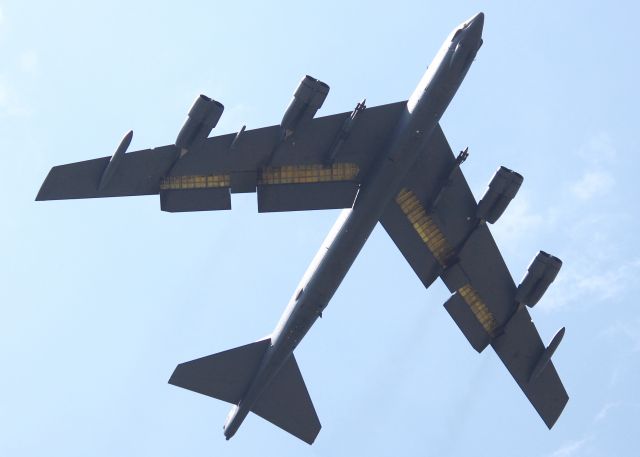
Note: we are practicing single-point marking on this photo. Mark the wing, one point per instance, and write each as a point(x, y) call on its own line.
point(433, 222)
point(302, 172)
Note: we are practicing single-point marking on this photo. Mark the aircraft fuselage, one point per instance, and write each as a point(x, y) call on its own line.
point(354, 226)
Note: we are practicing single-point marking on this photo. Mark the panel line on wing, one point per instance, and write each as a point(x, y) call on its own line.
point(290, 174)
point(300, 174)
point(195, 182)
point(439, 246)
point(478, 307)
point(425, 226)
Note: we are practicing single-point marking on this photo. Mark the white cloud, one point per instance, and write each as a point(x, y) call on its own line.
point(592, 184)
point(604, 411)
point(599, 266)
point(570, 448)
point(607, 284)
point(590, 282)
point(629, 330)
point(598, 149)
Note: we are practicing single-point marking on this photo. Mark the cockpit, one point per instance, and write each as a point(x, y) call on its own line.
point(458, 32)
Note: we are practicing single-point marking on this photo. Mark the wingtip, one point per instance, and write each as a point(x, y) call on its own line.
point(41, 196)
point(551, 420)
point(173, 378)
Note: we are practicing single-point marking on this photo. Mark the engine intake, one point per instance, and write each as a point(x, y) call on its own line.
point(543, 270)
point(307, 100)
point(202, 118)
point(503, 187)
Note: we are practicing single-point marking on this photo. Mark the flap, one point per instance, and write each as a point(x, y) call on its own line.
point(463, 315)
point(299, 197)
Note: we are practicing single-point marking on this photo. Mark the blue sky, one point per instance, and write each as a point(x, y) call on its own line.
point(100, 299)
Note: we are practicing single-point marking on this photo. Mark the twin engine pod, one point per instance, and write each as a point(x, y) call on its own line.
point(503, 187)
point(202, 118)
point(543, 270)
point(307, 100)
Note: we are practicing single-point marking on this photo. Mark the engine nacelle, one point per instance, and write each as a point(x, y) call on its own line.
point(543, 270)
point(307, 100)
point(503, 187)
point(202, 118)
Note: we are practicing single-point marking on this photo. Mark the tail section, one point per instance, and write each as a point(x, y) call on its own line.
point(225, 375)
point(228, 375)
point(286, 403)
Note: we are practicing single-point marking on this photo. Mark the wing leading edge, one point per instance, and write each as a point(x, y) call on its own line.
point(434, 223)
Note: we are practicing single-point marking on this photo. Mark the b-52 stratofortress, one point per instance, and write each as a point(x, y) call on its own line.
point(388, 164)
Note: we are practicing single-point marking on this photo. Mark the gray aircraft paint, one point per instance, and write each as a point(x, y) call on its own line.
point(308, 163)
point(352, 229)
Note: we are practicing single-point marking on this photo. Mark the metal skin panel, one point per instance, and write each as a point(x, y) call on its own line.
point(225, 375)
point(309, 145)
point(243, 182)
point(177, 201)
point(455, 210)
point(520, 348)
point(459, 311)
point(448, 195)
point(428, 177)
point(138, 173)
point(287, 404)
point(411, 246)
point(300, 197)
point(481, 261)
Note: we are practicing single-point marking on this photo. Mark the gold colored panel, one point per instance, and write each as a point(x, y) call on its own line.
point(301, 174)
point(426, 228)
point(478, 307)
point(291, 174)
point(437, 243)
point(195, 182)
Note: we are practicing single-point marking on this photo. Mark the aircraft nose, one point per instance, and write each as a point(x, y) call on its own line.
point(476, 22)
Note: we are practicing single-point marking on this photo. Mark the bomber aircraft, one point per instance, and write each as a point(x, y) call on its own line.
point(389, 164)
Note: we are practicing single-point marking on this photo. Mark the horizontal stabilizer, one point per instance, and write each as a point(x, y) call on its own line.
point(225, 375)
point(286, 403)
